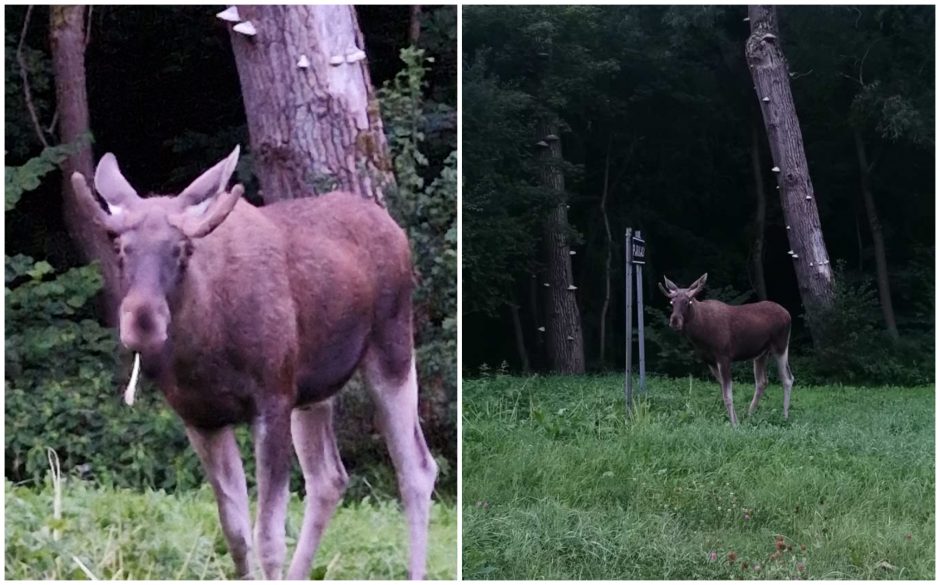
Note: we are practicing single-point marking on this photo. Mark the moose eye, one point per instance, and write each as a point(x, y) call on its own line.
point(690, 302)
point(670, 302)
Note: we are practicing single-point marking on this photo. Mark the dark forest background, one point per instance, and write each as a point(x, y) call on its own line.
point(658, 102)
point(164, 96)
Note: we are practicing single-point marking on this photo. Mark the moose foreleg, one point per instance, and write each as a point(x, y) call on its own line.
point(324, 476)
point(272, 456)
point(397, 402)
point(222, 462)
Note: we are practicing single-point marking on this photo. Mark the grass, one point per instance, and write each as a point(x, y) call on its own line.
point(559, 485)
point(122, 534)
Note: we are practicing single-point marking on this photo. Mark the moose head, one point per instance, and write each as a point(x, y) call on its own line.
point(153, 241)
point(681, 300)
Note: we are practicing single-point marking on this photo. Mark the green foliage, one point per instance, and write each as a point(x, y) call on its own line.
point(19, 130)
point(858, 350)
point(28, 177)
point(558, 484)
point(502, 201)
point(60, 387)
point(664, 94)
point(124, 534)
point(427, 209)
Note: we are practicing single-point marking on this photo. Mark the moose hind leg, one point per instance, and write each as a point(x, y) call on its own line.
point(396, 399)
point(272, 456)
point(786, 378)
point(724, 371)
point(222, 462)
point(760, 382)
point(324, 477)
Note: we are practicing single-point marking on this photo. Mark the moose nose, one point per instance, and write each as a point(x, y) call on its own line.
point(675, 323)
point(143, 325)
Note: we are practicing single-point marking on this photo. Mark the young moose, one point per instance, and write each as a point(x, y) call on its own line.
point(259, 316)
point(723, 333)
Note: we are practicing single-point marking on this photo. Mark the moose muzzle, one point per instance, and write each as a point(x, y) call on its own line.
point(144, 323)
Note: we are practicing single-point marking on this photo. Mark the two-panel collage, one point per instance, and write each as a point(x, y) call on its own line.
point(470, 292)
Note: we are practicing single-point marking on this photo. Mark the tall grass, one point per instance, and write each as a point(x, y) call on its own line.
point(559, 484)
point(123, 534)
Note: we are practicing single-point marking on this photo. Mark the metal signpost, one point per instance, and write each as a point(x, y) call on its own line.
point(636, 256)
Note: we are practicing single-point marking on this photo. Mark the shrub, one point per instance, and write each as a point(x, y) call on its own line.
point(858, 350)
point(426, 206)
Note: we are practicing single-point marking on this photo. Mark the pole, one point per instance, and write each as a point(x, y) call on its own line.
point(639, 319)
point(628, 382)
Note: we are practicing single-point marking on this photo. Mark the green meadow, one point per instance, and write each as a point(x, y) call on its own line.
point(559, 484)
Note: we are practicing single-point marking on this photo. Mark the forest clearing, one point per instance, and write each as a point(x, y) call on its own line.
point(559, 485)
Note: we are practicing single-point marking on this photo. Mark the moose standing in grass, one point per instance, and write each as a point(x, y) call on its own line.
point(722, 333)
point(260, 316)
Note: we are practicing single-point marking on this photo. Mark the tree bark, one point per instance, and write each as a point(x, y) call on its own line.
point(67, 41)
point(798, 199)
point(313, 129)
point(414, 25)
point(760, 218)
point(564, 340)
point(881, 261)
point(606, 304)
point(520, 337)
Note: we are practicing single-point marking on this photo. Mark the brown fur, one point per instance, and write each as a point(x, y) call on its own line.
point(246, 315)
point(722, 334)
point(741, 332)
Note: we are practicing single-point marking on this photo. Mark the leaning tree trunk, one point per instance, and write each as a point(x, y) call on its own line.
point(312, 115)
point(798, 199)
point(564, 341)
point(877, 238)
point(760, 218)
point(67, 40)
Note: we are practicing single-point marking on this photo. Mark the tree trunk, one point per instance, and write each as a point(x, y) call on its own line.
point(564, 340)
point(760, 218)
point(317, 128)
point(520, 337)
point(414, 26)
point(607, 259)
point(67, 42)
point(881, 261)
point(798, 199)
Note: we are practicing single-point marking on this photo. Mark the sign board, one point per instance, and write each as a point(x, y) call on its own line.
point(636, 256)
point(638, 252)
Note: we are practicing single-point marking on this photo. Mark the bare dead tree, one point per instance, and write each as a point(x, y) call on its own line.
point(798, 198)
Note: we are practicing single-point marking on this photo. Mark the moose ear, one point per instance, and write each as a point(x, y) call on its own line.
point(206, 203)
point(665, 292)
point(670, 285)
point(698, 285)
point(201, 219)
point(209, 184)
point(113, 187)
point(87, 199)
